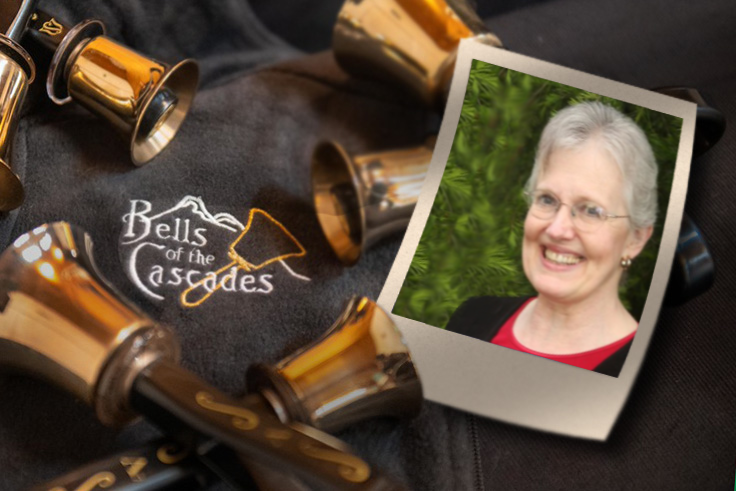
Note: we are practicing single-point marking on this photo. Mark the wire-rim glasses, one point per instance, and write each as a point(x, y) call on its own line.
point(586, 215)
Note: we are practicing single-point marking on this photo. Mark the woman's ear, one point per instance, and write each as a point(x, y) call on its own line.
point(637, 240)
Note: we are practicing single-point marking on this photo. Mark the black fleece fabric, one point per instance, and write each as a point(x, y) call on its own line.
point(246, 145)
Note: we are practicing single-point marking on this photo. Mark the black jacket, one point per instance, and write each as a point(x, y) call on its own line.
point(482, 318)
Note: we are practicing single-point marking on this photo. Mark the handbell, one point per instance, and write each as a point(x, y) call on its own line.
point(359, 369)
point(364, 370)
point(16, 73)
point(61, 320)
point(146, 100)
point(364, 198)
point(411, 43)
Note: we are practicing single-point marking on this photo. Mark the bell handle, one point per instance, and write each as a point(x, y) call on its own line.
point(16, 16)
point(180, 403)
point(158, 465)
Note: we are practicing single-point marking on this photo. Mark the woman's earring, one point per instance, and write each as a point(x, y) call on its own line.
point(625, 262)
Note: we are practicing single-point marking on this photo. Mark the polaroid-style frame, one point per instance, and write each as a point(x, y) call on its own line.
point(497, 382)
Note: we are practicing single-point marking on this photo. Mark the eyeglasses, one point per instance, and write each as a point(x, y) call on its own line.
point(586, 215)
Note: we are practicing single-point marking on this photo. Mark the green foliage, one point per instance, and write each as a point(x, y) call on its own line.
point(472, 242)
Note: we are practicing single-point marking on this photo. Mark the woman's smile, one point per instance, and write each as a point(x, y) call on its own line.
point(560, 258)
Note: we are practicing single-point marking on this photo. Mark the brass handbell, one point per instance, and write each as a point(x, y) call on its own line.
point(411, 43)
point(359, 369)
point(16, 73)
point(364, 198)
point(144, 99)
point(59, 319)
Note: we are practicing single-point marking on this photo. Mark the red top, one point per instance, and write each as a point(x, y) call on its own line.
point(587, 359)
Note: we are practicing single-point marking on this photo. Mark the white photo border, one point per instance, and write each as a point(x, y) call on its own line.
point(507, 385)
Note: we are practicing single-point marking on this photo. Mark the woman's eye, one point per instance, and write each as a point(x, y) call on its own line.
point(591, 210)
point(546, 200)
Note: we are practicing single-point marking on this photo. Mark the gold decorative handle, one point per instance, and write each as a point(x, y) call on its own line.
point(134, 467)
point(350, 467)
point(158, 465)
point(101, 479)
point(243, 419)
point(174, 398)
point(171, 453)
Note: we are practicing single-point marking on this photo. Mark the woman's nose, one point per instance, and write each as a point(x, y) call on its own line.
point(561, 227)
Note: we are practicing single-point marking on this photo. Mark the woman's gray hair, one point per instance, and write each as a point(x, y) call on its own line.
point(618, 134)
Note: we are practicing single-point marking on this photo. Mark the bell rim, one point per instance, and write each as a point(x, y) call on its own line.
point(185, 74)
point(294, 399)
point(19, 55)
point(147, 343)
point(261, 377)
point(56, 81)
point(352, 256)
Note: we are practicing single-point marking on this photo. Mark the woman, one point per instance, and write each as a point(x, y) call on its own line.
point(592, 200)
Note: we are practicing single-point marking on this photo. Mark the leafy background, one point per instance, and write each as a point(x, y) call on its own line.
point(472, 242)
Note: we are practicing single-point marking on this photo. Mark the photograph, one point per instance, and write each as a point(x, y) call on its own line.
point(533, 270)
point(547, 224)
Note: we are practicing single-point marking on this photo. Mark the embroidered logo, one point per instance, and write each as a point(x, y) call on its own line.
point(188, 253)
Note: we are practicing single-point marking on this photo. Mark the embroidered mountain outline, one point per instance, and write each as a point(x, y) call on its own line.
point(197, 206)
